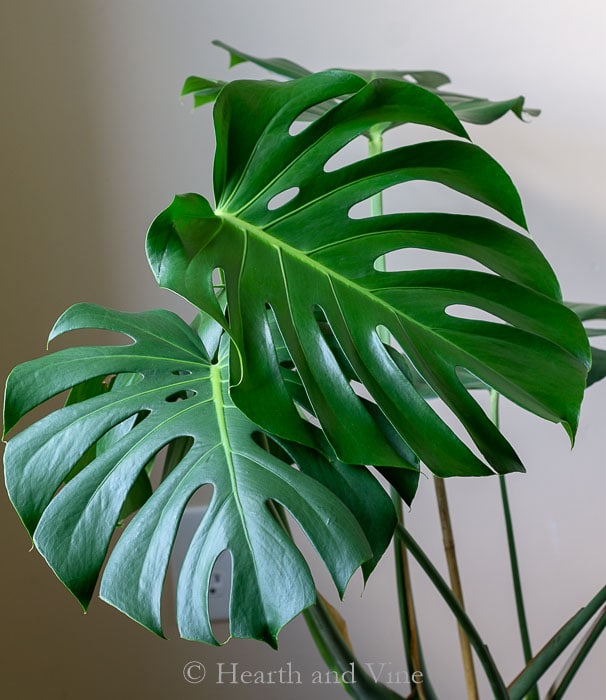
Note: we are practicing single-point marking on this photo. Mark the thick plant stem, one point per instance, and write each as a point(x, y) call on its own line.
point(484, 656)
point(533, 693)
point(455, 582)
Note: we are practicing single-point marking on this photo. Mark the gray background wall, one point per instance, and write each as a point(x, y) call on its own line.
point(95, 141)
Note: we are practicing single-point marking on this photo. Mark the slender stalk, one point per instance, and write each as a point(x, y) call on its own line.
point(375, 146)
point(455, 582)
point(484, 656)
point(560, 685)
point(515, 573)
point(332, 646)
point(408, 618)
point(340, 659)
point(554, 647)
point(533, 693)
point(408, 621)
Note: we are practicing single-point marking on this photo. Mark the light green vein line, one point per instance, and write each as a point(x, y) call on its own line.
point(215, 375)
point(138, 442)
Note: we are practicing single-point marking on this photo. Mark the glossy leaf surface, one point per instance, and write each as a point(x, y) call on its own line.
point(308, 257)
point(179, 393)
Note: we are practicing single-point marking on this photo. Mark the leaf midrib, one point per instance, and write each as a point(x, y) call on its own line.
point(284, 248)
point(220, 407)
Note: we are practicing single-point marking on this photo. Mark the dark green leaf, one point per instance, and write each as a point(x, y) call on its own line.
point(475, 110)
point(309, 255)
point(179, 395)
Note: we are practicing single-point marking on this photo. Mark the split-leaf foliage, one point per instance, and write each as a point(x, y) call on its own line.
point(307, 364)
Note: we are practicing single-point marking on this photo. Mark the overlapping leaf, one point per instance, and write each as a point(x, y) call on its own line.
point(588, 313)
point(476, 110)
point(309, 258)
point(112, 436)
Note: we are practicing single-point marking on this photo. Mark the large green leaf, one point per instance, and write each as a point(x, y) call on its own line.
point(476, 110)
point(180, 394)
point(309, 258)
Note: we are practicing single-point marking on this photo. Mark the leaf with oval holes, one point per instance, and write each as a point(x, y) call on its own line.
point(180, 393)
point(308, 258)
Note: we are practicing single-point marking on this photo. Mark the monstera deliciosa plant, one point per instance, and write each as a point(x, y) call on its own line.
point(305, 382)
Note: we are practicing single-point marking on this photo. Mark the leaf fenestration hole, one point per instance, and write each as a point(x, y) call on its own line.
point(425, 196)
point(126, 379)
point(352, 152)
point(297, 127)
point(282, 198)
point(181, 395)
point(309, 115)
point(218, 280)
point(219, 586)
point(471, 313)
point(360, 390)
point(413, 259)
point(200, 499)
point(360, 210)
